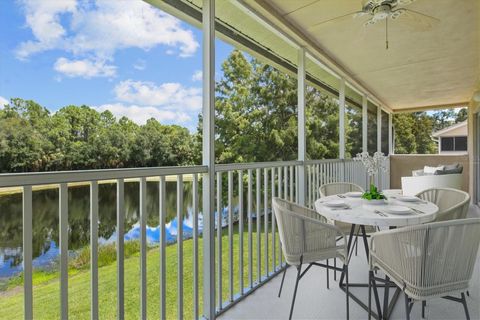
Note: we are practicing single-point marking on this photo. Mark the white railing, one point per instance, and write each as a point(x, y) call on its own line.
point(320, 172)
point(243, 191)
point(257, 183)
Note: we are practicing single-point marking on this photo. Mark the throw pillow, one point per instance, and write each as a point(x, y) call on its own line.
point(432, 170)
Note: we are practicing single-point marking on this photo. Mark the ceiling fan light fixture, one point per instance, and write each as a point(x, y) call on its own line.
point(476, 96)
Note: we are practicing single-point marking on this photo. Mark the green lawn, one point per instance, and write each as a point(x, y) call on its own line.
point(47, 294)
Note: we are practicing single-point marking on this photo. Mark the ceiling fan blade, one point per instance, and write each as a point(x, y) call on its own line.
point(340, 18)
point(417, 20)
point(370, 22)
point(371, 2)
point(404, 2)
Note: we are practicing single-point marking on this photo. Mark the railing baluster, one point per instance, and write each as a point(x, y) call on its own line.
point(285, 183)
point(63, 237)
point(230, 232)
point(281, 197)
point(180, 246)
point(27, 253)
point(240, 228)
point(162, 215)
point(143, 248)
point(94, 249)
point(274, 261)
point(250, 240)
point(297, 187)
point(219, 239)
point(195, 245)
point(291, 184)
point(120, 249)
point(309, 186)
point(265, 216)
point(280, 181)
point(259, 228)
point(314, 183)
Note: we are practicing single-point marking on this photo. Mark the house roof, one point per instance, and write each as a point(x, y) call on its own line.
point(458, 129)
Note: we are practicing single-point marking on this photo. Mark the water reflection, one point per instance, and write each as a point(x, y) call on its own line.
point(45, 220)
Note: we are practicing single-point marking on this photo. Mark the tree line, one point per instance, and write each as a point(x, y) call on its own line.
point(256, 120)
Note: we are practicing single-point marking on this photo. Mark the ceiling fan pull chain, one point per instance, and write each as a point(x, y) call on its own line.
point(386, 33)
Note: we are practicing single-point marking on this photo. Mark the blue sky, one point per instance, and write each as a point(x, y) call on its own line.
point(124, 56)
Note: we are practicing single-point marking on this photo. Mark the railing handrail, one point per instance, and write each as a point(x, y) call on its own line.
point(56, 177)
point(318, 161)
point(255, 165)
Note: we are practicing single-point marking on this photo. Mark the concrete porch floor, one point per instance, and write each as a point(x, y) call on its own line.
point(315, 301)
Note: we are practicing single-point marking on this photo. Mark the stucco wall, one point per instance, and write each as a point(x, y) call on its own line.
point(403, 165)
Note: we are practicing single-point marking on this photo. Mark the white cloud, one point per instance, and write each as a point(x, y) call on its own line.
point(197, 75)
point(100, 27)
point(43, 18)
point(140, 114)
point(172, 96)
point(140, 64)
point(3, 102)
point(84, 68)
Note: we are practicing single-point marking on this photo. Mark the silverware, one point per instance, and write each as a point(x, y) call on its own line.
point(380, 213)
point(341, 208)
point(417, 211)
point(341, 196)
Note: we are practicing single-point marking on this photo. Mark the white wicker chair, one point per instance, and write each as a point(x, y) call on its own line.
point(307, 237)
point(334, 188)
point(452, 203)
point(427, 261)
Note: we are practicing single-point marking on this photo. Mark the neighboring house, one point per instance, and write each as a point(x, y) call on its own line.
point(453, 139)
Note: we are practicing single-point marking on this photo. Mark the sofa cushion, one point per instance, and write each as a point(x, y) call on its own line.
point(451, 166)
point(458, 169)
point(431, 170)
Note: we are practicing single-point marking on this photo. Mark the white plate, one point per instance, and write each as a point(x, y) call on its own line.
point(335, 203)
point(408, 198)
point(398, 210)
point(355, 194)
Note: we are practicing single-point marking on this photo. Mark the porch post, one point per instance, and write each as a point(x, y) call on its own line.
point(302, 146)
point(341, 119)
point(364, 123)
point(208, 158)
point(391, 145)
point(379, 129)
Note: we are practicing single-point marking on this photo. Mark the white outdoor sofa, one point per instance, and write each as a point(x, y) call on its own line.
point(450, 177)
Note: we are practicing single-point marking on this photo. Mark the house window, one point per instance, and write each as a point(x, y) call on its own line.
point(460, 143)
point(454, 143)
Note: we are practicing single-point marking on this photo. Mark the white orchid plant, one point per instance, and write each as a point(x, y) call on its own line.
point(373, 164)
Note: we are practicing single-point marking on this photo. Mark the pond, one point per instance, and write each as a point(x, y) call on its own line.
point(46, 221)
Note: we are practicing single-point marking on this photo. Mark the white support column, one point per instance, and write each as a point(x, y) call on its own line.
point(208, 158)
point(341, 119)
point(302, 146)
point(364, 123)
point(379, 129)
point(391, 143)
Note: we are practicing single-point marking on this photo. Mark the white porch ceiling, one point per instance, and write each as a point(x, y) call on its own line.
point(421, 68)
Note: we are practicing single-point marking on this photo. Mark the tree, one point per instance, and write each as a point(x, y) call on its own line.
point(256, 115)
point(413, 133)
point(462, 115)
point(79, 137)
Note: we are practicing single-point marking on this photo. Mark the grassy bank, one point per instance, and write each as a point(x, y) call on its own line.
point(47, 291)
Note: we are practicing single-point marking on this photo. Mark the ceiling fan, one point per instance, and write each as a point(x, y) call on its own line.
point(383, 10)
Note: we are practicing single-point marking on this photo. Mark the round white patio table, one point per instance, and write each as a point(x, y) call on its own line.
point(364, 214)
point(357, 212)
